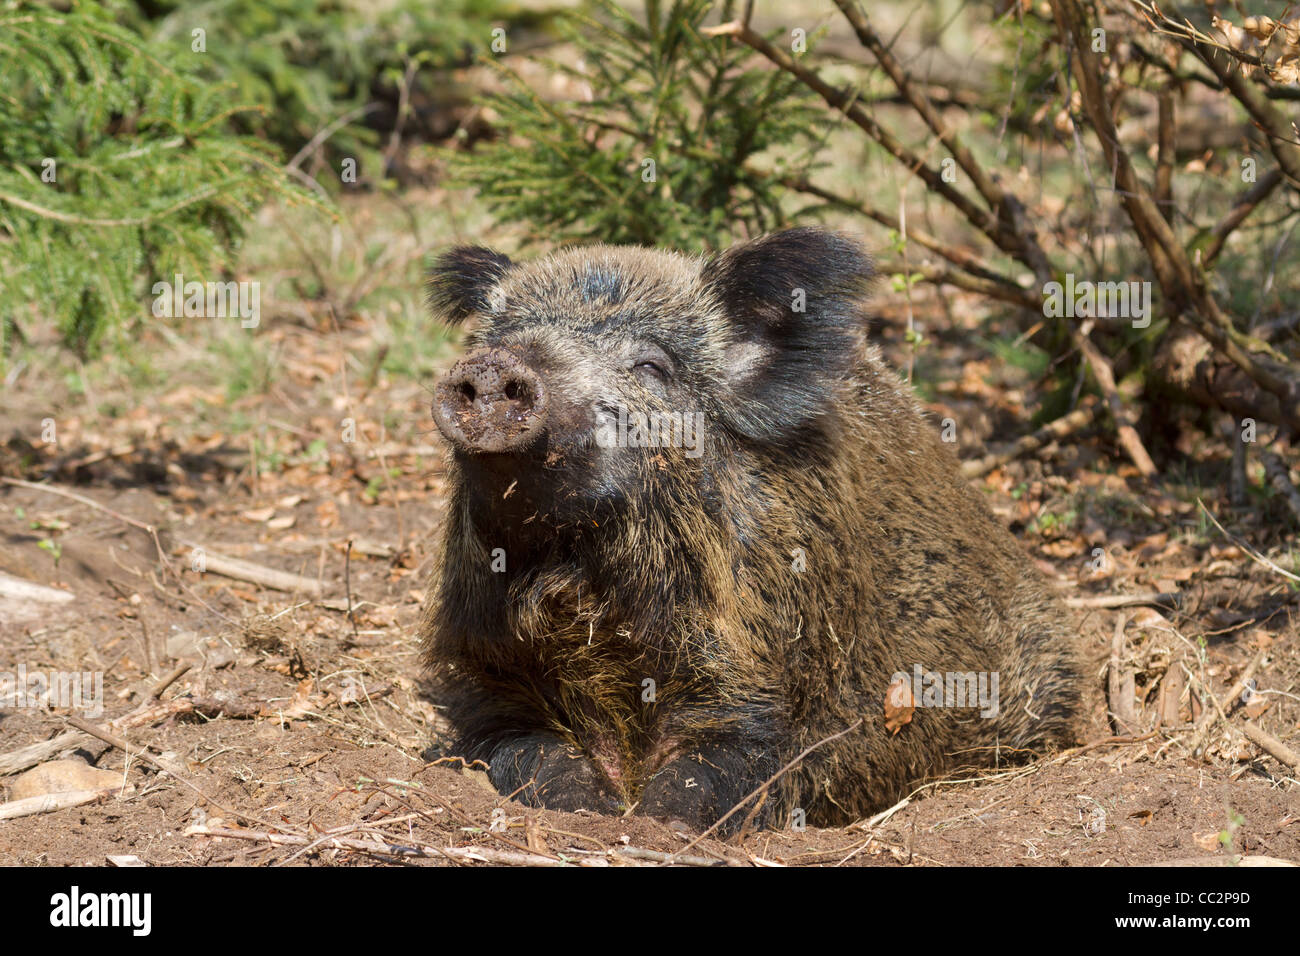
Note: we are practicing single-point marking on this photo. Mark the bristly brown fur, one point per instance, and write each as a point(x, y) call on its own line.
point(685, 573)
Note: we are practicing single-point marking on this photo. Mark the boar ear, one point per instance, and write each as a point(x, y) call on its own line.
point(792, 304)
point(461, 279)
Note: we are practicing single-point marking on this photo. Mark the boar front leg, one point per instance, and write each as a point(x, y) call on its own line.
point(545, 770)
point(701, 785)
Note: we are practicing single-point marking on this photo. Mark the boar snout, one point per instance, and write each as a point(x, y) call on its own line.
point(490, 402)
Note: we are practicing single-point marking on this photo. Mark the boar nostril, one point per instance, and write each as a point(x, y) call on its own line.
point(519, 392)
point(466, 389)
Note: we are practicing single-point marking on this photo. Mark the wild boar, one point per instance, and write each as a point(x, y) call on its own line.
point(696, 525)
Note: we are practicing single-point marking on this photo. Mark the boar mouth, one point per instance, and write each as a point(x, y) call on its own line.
point(556, 483)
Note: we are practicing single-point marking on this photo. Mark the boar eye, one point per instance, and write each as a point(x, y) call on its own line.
point(652, 366)
point(650, 369)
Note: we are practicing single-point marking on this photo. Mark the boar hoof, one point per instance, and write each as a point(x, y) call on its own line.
point(694, 792)
point(547, 772)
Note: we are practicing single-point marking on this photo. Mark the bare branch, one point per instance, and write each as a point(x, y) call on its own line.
point(847, 103)
point(1240, 211)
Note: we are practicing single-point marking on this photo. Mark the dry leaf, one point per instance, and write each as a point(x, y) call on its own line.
point(327, 513)
point(377, 616)
point(304, 701)
point(1064, 548)
point(1256, 708)
point(1150, 617)
point(350, 692)
point(1261, 28)
point(899, 705)
point(1285, 72)
point(1235, 36)
point(1207, 841)
point(1152, 546)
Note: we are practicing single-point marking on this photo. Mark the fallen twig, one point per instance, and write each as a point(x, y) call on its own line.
point(242, 570)
point(1065, 755)
point(1104, 375)
point(18, 760)
point(1265, 741)
point(169, 679)
point(121, 744)
point(1060, 428)
point(218, 564)
point(1104, 601)
point(1121, 684)
point(1251, 552)
point(158, 762)
point(882, 816)
point(1280, 476)
point(81, 499)
point(671, 859)
point(1220, 706)
point(347, 585)
point(19, 589)
point(455, 811)
point(478, 854)
point(50, 802)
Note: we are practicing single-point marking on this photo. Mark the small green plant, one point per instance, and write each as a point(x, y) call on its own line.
point(50, 543)
point(902, 282)
point(1021, 354)
point(53, 547)
point(270, 461)
point(250, 368)
point(377, 482)
point(682, 142)
point(317, 454)
point(1050, 523)
point(314, 65)
point(1228, 835)
point(116, 170)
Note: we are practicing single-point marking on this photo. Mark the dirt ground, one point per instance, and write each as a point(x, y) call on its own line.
point(300, 734)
